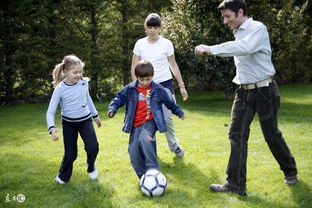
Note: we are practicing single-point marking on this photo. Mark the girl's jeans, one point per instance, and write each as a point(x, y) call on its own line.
point(265, 102)
point(70, 135)
point(142, 148)
point(170, 134)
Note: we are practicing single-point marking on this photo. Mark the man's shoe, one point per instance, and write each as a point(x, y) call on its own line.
point(291, 180)
point(226, 188)
point(179, 152)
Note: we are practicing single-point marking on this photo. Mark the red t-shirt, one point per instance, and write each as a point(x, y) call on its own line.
point(143, 111)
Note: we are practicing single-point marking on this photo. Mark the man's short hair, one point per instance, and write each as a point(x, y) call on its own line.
point(144, 69)
point(234, 5)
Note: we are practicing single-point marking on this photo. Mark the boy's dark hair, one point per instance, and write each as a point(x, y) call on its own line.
point(144, 69)
point(153, 20)
point(234, 5)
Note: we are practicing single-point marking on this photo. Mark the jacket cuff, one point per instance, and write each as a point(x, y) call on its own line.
point(182, 114)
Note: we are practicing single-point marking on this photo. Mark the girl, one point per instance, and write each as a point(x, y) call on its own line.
point(160, 52)
point(77, 110)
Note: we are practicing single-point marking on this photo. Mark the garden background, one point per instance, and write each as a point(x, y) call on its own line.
point(36, 35)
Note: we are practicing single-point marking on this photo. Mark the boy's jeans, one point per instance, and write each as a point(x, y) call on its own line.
point(265, 102)
point(170, 134)
point(142, 148)
point(70, 136)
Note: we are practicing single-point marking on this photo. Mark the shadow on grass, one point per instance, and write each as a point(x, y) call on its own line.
point(302, 194)
point(214, 107)
point(196, 183)
point(213, 103)
point(33, 177)
point(292, 112)
point(256, 201)
point(187, 186)
point(296, 110)
point(190, 183)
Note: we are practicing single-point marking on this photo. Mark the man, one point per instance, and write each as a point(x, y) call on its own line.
point(257, 92)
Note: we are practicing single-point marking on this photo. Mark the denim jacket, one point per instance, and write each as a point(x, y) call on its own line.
point(129, 96)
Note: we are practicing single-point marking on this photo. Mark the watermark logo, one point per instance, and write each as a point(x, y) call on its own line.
point(19, 198)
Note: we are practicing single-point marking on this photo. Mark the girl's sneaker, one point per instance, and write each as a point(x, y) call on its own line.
point(59, 181)
point(94, 174)
point(179, 152)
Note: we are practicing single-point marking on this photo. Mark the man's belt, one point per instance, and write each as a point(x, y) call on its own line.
point(263, 83)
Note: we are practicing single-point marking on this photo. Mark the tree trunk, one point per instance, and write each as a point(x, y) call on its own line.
point(8, 75)
point(8, 46)
point(94, 52)
point(125, 42)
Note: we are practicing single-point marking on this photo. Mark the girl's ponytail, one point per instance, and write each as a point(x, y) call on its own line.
point(57, 74)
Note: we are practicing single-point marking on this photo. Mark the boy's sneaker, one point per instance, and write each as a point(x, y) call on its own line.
point(94, 174)
point(179, 152)
point(59, 181)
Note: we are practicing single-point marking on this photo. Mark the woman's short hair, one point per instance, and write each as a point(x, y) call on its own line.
point(153, 20)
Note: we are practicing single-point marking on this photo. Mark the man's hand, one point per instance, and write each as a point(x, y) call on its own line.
point(201, 49)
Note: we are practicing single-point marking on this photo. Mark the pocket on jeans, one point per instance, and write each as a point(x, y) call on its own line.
point(275, 97)
point(266, 105)
point(266, 94)
point(239, 100)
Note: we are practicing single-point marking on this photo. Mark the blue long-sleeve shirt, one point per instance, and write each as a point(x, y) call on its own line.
point(251, 50)
point(75, 101)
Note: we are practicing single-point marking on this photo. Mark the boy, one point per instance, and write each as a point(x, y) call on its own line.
point(144, 115)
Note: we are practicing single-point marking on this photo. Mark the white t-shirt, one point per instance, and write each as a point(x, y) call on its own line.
point(157, 53)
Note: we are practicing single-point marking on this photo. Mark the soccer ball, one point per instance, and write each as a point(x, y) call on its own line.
point(153, 183)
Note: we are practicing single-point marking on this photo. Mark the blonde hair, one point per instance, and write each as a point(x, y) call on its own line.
point(67, 63)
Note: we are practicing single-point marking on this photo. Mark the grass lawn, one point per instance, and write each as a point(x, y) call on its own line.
point(29, 159)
